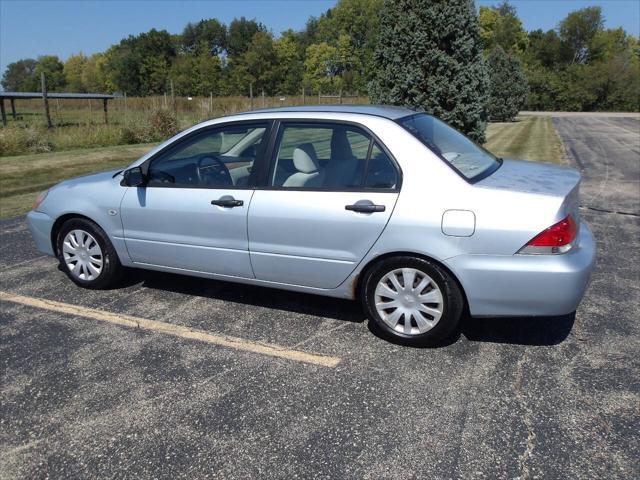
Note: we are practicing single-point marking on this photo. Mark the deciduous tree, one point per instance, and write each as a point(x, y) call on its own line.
point(241, 32)
point(321, 68)
point(20, 76)
point(73, 72)
point(53, 69)
point(579, 28)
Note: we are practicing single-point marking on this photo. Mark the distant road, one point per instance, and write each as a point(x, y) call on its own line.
point(583, 114)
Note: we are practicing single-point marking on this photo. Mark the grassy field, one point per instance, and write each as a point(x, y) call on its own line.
point(22, 177)
point(528, 138)
point(81, 123)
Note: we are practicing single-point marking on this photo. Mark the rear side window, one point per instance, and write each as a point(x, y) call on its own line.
point(330, 157)
point(471, 160)
point(381, 172)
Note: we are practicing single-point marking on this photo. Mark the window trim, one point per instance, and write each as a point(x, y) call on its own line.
point(261, 154)
point(470, 180)
point(276, 134)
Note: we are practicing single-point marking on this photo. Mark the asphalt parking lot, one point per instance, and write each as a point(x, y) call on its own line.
point(85, 397)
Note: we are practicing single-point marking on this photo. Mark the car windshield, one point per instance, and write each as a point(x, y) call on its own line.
point(469, 159)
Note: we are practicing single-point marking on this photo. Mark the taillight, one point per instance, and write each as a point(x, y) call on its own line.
point(557, 238)
point(40, 199)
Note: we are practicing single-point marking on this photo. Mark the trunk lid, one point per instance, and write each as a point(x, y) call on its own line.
point(538, 179)
point(520, 200)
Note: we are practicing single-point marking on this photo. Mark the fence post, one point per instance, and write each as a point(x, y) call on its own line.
point(4, 114)
point(251, 96)
point(165, 100)
point(45, 99)
point(173, 99)
point(210, 103)
point(340, 97)
point(125, 103)
point(263, 104)
point(319, 95)
point(304, 102)
point(13, 109)
point(104, 105)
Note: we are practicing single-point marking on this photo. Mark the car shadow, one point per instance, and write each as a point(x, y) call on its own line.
point(541, 331)
point(302, 303)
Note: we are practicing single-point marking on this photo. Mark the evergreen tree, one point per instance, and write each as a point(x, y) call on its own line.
point(429, 56)
point(507, 85)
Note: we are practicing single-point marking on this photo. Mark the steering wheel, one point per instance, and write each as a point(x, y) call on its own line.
point(212, 171)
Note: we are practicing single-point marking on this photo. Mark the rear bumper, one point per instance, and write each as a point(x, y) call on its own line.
point(527, 285)
point(40, 225)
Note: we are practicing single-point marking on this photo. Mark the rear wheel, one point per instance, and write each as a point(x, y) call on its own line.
point(87, 255)
point(412, 301)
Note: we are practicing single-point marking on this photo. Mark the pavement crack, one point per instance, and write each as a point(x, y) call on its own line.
point(605, 210)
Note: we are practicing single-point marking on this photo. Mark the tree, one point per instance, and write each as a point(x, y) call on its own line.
point(321, 68)
point(289, 63)
point(207, 36)
point(501, 26)
point(53, 70)
point(607, 44)
point(94, 75)
point(241, 32)
point(352, 27)
point(508, 85)
point(259, 62)
point(437, 69)
point(547, 49)
point(139, 65)
point(73, 73)
point(20, 76)
point(579, 29)
point(349, 64)
point(196, 75)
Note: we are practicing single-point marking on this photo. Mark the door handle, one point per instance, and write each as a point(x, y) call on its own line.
point(227, 202)
point(365, 208)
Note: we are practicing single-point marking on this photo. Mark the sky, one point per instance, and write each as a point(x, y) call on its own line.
point(29, 28)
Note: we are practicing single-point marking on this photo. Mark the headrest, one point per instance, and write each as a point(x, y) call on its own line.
point(305, 159)
point(340, 146)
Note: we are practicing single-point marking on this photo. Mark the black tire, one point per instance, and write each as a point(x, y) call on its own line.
point(111, 267)
point(453, 302)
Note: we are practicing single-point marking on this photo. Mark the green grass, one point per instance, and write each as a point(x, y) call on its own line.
point(528, 138)
point(22, 177)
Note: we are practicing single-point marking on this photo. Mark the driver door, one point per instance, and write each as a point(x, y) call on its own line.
point(192, 213)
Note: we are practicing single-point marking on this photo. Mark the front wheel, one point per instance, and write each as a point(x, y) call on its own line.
point(412, 301)
point(87, 255)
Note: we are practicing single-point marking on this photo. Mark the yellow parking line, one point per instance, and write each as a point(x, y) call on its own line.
point(171, 329)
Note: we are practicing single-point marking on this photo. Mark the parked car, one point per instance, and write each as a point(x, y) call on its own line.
point(377, 203)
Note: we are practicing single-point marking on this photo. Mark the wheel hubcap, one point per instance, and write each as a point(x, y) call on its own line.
point(409, 301)
point(82, 255)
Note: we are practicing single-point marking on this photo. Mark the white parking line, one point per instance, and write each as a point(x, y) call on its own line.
point(176, 330)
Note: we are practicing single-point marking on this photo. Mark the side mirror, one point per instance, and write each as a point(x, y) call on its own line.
point(134, 177)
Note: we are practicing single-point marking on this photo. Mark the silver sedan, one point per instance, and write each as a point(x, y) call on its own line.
point(381, 204)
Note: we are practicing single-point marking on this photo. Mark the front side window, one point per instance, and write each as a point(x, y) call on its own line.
point(215, 158)
point(451, 145)
point(332, 157)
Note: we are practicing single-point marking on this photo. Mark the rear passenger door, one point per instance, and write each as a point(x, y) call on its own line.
point(328, 195)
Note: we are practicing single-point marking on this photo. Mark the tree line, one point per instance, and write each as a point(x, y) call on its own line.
point(580, 65)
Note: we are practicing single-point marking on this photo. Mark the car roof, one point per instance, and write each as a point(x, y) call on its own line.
point(387, 111)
